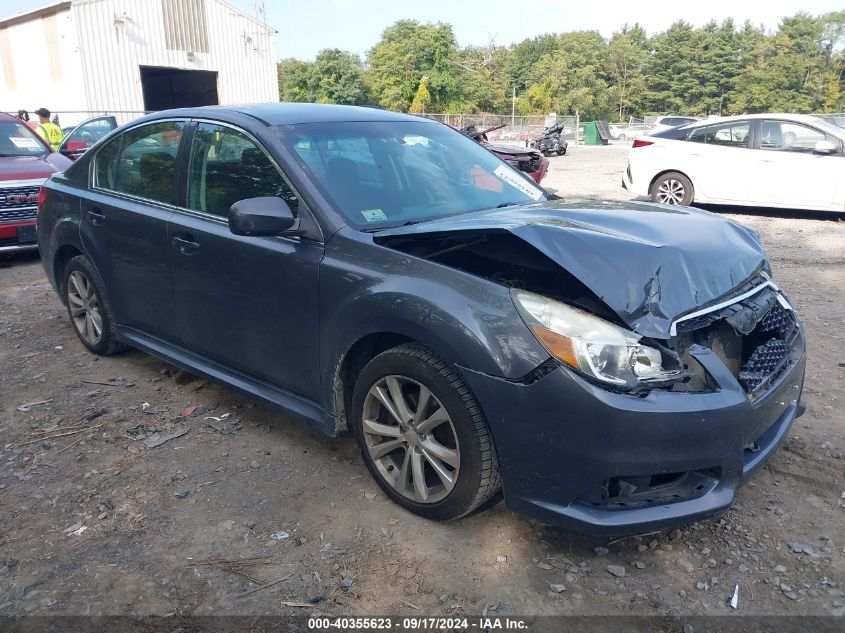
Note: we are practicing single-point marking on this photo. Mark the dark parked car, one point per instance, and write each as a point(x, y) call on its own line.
point(610, 367)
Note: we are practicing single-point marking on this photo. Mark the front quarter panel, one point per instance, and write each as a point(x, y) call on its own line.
point(367, 289)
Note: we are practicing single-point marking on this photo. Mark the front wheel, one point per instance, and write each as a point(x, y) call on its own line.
point(422, 434)
point(672, 188)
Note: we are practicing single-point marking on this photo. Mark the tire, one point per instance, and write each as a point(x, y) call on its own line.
point(451, 426)
point(562, 152)
point(88, 308)
point(672, 188)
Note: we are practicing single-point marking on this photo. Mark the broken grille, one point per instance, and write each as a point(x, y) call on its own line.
point(754, 338)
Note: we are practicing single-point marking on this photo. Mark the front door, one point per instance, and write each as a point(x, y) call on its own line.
point(124, 224)
point(247, 302)
point(788, 171)
point(85, 135)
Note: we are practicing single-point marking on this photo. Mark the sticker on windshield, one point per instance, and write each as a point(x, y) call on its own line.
point(373, 215)
point(505, 173)
point(22, 142)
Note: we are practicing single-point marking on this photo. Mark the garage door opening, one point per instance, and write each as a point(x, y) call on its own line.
point(175, 88)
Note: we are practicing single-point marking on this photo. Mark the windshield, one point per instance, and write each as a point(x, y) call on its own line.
point(380, 174)
point(831, 125)
point(16, 139)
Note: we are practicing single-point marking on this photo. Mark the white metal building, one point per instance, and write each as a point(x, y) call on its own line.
point(125, 57)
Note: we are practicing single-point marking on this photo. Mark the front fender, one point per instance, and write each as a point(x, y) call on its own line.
point(468, 321)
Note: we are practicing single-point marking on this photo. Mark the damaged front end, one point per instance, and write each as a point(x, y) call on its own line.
point(685, 361)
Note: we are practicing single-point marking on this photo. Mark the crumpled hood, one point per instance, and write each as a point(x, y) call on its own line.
point(649, 263)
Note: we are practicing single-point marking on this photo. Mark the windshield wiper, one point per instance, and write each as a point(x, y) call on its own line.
point(508, 204)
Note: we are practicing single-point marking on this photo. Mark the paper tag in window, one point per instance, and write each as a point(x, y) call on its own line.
point(517, 182)
point(23, 142)
point(373, 215)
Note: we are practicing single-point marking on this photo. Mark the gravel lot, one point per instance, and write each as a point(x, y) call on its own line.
point(92, 521)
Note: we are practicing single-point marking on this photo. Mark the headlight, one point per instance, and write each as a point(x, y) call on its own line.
point(595, 347)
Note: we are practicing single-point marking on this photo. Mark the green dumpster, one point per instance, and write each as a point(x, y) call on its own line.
point(593, 133)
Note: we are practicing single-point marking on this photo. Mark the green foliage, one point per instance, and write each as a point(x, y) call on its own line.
point(718, 68)
point(407, 52)
point(422, 99)
point(336, 77)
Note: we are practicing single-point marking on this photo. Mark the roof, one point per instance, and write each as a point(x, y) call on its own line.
point(40, 12)
point(295, 113)
point(803, 118)
point(57, 7)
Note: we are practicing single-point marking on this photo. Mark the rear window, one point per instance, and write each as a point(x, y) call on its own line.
point(16, 139)
point(145, 166)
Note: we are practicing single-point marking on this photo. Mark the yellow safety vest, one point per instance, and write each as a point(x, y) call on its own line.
point(51, 133)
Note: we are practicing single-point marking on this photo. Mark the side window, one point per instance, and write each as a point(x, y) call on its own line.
point(105, 164)
point(698, 135)
point(147, 163)
point(89, 133)
point(228, 166)
point(729, 134)
point(785, 136)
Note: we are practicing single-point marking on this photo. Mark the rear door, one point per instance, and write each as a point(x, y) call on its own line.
point(124, 223)
point(789, 173)
point(85, 135)
point(719, 158)
point(247, 302)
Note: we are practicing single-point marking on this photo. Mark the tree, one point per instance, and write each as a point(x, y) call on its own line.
point(422, 99)
point(406, 52)
point(626, 56)
point(293, 80)
point(336, 77)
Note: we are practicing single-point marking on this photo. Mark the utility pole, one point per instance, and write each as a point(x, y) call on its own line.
point(513, 105)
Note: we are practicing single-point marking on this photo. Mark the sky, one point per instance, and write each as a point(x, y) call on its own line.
point(308, 26)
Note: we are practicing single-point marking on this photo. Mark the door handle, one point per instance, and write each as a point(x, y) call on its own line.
point(96, 217)
point(186, 244)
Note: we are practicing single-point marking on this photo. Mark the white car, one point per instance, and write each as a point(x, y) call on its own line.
point(622, 131)
point(790, 161)
point(667, 122)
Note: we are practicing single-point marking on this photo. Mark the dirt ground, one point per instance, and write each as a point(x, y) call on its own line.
point(94, 521)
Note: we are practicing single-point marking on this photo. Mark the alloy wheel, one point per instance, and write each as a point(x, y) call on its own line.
point(671, 191)
point(84, 307)
point(411, 439)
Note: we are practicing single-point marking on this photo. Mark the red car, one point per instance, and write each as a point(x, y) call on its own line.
point(26, 161)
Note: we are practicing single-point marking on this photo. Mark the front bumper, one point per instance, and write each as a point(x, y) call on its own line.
point(18, 236)
point(561, 438)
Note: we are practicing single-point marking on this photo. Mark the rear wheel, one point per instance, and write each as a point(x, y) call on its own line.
point(88, 307)
point(672, 188)
point(422, 435)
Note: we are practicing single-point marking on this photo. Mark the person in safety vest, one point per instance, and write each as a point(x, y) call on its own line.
point(50, 132)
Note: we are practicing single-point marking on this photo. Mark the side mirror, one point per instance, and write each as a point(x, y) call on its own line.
point(825, 147)
point(261, 216)
point(73, 147)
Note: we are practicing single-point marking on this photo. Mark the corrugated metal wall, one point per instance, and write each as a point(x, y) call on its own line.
point(116, 37)
point(41, 67)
